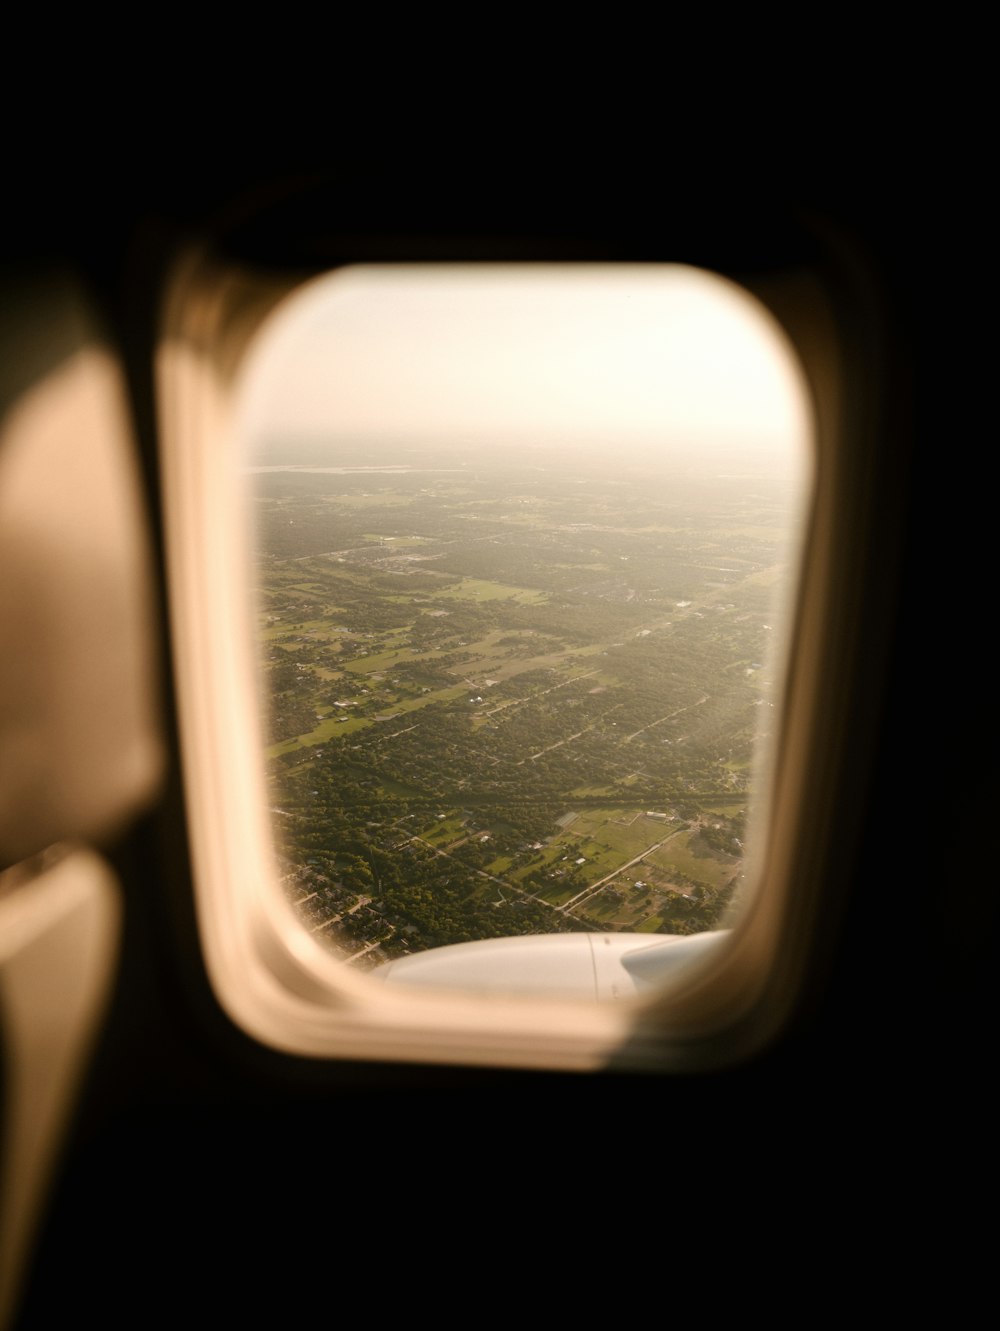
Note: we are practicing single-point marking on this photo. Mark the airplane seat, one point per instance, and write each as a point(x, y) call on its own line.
point(80, 751)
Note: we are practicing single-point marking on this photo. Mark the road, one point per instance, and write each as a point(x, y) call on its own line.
point(677, 711)
point(501, 882)
point(596, 887)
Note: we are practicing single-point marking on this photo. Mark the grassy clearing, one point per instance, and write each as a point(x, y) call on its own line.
point(366, 665)
point(407, 705)
point(397, 542)
point(313, 629)
point(705, 868)
point(724, 808)
point(324, 731)
point(337, 727)
point(287, 630)
point(595, 649)
point(478, 589)
point(614, 836)
point(442, 831)
point(558, 896)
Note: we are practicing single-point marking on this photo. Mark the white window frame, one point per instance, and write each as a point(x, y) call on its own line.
point(272, 978)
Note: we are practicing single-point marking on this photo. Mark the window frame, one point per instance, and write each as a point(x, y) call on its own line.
point(276, 983)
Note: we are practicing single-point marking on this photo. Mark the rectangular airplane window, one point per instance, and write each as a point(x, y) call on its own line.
point(526, 542)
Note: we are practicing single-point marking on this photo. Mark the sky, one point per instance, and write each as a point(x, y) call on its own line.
point(586, 354)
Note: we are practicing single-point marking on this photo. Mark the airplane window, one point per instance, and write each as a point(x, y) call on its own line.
point(526, 540)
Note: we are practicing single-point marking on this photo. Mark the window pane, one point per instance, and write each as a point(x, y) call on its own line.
point(525, 538)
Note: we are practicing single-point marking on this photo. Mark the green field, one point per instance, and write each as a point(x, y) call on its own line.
point(477, 589)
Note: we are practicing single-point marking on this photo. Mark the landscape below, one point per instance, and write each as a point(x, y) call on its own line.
point(515, 693)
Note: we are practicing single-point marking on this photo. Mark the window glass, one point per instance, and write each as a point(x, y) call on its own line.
point(525, 540)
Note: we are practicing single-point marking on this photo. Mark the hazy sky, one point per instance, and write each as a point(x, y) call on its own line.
point(587, 352)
